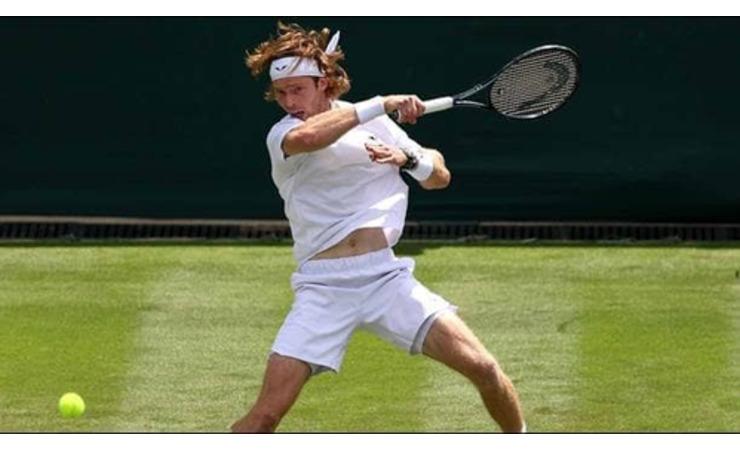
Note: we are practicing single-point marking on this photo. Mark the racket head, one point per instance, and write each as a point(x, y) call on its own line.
point(536, 82)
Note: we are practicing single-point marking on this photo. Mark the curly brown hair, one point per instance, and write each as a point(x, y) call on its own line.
point(293, 40)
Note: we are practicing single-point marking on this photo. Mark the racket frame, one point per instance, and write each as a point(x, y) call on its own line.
point(461, 99)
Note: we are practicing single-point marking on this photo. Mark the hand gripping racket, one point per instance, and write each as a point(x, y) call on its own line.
point(533, 84)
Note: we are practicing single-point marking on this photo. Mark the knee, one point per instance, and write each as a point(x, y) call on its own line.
point(485, 373)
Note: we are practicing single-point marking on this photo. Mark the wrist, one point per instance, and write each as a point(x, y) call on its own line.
point(368, 110)
point(412, 159)
point(418, 164)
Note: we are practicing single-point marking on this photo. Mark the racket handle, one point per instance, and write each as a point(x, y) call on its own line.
point(438, 104)
point(431, 106)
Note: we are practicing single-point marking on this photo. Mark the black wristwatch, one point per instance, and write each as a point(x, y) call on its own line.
point(412, 160)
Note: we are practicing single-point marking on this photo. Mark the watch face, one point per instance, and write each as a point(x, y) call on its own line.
point(412, 159)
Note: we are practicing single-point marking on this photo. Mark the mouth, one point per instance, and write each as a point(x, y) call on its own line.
point(300, 114)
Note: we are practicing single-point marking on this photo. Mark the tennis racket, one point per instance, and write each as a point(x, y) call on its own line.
point(533, 84)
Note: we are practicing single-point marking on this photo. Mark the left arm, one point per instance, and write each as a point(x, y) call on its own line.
point(440, 177)
point(384, 154)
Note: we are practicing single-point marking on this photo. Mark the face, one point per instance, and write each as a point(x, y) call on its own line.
point(302, 97)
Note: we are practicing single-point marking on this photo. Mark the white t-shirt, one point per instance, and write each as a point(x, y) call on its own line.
point(331, 192)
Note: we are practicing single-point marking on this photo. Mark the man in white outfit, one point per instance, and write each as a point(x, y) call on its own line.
point(337, 167)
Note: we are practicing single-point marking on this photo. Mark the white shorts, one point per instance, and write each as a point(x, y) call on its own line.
point(333, 297)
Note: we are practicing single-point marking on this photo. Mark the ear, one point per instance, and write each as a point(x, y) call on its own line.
point(322, 84)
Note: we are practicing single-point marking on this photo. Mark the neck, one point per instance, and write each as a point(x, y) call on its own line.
point(326, 105)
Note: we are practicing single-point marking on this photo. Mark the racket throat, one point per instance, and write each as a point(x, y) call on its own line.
point(470, 104)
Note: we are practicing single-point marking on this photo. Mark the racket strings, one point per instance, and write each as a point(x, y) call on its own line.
point(535, 85)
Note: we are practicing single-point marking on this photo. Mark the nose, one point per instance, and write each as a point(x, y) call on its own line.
point(290, 102)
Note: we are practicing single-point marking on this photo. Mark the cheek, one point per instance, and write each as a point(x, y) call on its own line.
point(282, 100)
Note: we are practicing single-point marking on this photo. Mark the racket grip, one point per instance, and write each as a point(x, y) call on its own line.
point(438, 104)
point(431, 106)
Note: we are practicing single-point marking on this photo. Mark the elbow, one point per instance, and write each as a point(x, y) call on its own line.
point(439, 180)
point(301, 141)
point(446, 177)
point(441, 176)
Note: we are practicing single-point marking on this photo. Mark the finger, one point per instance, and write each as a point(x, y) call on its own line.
point(400, 118)
point(407, 114)
point(406, 108)
point(420, 105)
point(375, 146)
point(410, 115)
point(413, 110)
point(378, 152)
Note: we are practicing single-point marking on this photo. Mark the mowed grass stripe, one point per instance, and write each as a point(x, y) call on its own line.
point(67, 320)
point(657, 340)
point(732, 404)
point(512, 298)
point(378, 389)
point(202, 346)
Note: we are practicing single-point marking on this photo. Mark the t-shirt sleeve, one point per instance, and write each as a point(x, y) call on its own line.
point(282, 166)
point(277, 134)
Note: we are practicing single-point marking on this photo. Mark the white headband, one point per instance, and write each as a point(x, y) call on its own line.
point(295, 66)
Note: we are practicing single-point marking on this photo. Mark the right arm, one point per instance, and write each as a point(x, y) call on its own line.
point(322, 130)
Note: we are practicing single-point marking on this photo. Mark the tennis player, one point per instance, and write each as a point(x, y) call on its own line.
point(337, 167)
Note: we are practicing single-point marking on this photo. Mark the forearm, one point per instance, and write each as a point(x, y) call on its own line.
point(320, 131)
point(324, 129)
point(425, 165)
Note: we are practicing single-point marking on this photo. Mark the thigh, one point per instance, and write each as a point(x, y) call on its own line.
point(452, 343)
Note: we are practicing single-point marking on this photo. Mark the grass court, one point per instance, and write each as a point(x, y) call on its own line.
point(173, 337)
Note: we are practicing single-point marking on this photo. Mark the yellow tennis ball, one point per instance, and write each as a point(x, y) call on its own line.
point(71, 405)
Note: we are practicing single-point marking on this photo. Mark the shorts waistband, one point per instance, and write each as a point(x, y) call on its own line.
point(363, 261)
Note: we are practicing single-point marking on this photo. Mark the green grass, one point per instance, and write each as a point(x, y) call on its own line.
point(160, 337)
